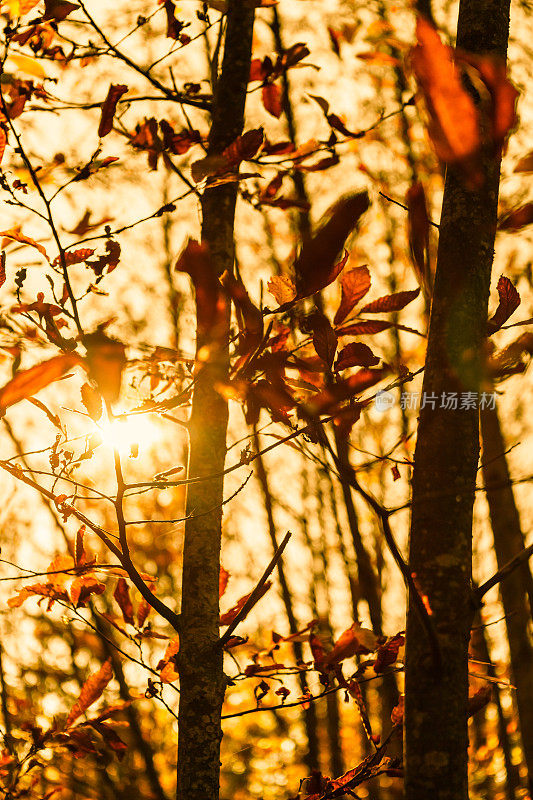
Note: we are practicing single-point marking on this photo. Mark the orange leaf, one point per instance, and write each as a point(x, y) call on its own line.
point(3, 142)
point(17, 236)
point(90, 692)
point(354, 641)
point(223, 579)
point(109, 106)
point(82, 588)
point(30, 381)
point(282, 288)
point(453, 117)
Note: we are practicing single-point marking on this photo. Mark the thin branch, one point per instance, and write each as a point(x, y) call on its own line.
point(502, 573)
point(256, 594)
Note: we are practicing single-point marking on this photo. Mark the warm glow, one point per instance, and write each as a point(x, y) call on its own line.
point(126, 433)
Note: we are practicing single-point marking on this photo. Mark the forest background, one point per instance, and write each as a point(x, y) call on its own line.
point(334, 109)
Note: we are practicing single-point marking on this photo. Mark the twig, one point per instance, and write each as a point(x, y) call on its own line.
point(502, 573)
point(256, 594)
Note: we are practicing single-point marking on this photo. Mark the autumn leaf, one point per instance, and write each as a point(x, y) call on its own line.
point(90, 692)
point(210, 301)
point(249, 317)
point(109, 107)
point(82, 588)
point(517, 219)
point(354, 641)
point(144, 608)
point(453, 118)
point(387, 653)
point(241, 149)
point(2, 268)
point(525, 164)
point(282, 288)
point(122, 596)
point(364, 326)
point(271, 95)
point(317, 266)
point(30, 381)
point(509, 302)
point(324, 337)
point(3, 142)
point(418, 233)
point(17, 236)
point(85, 225)
point(106, 359)
point(355, 283)
point(53, 591)
point(391, 302)
point(223, 579)
point(58, 10)
point(167, 666)
point(355, 354)
point(92, 400)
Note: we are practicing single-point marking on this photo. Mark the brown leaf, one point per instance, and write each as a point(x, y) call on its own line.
point(324, 337)
point(453, 117)
point(2, 268)
point(354, 690)
point(249, 317)
point(106, 359)
point(354, 285)
point(90, 691)
point(92, 400)
point(109, 107)
point(167, 665)
point(355, 354)
point(525, 164)
point(418, 232)
point(122, 596)
point(58, 10)
point(316, 266)
point(241, 149)
point(387, 653)
point(391, 302)
point(518, 218)
point(271, 95)
point(30, 381)
point(79, 552)
point(144, 608)
point(509, 302)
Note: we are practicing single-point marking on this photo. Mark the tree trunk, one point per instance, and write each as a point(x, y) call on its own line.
point(202, 681)
point(516, 588)
point(446, 460)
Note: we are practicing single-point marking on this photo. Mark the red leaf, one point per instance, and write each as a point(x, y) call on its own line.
point(82, 588)
point(354, 285)
point(90, 691)
point(391, 302)
point(2, 268)
point(355, 354)
point(518, 218)
point(116, 90)
point(122, 596)
point(365, 326)
point(249, 317)
point(388, 653)
point(30, 381)
point(509, 302)
point(144, 608)
point(272, 97)
point(324, 337)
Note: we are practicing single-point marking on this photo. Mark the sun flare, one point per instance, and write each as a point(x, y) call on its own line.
point(129, 433)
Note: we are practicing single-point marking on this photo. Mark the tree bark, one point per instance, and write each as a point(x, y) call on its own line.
point(516, 588)
point(202, 682)
point(446, 459)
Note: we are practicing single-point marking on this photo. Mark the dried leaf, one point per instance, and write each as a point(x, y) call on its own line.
point(58, 10)
point(509, 302)
point(109, 107)
point(2, 268)
point(210, 301)
point(90, 692)
point(364, 326)
point(324, 337)
point(229, 616)
point(354, 285)
point(92, 400)
point(82, 588)
point(282, 288)
point(418, 232)
point(518, 218)
point(387, 653)
point(391, 302)
point(122, 596)
point(30, 381)
point(17, 236)
point(525, 164)
point(223, 579)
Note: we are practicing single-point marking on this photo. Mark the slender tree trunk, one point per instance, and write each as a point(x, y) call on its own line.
point(309, 714)
point(446, 458)
point(516, 589)
point(202, 681)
